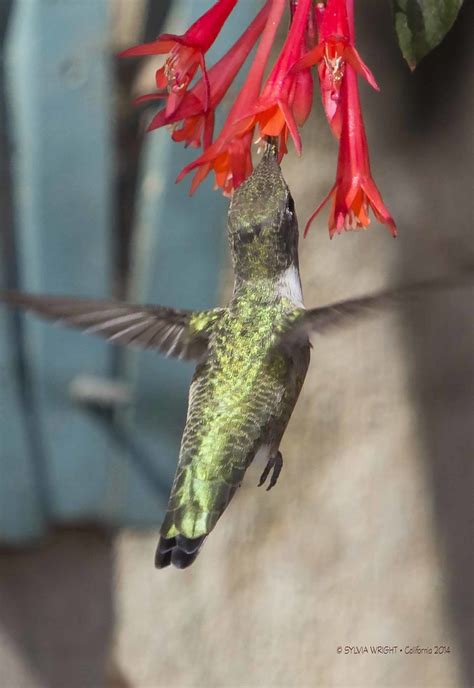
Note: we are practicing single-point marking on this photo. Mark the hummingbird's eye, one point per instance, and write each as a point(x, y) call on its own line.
point(248, 236)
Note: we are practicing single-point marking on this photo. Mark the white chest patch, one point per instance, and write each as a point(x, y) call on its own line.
point(289, 286)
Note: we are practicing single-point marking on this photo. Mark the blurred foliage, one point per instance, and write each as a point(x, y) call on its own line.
point(422, 24)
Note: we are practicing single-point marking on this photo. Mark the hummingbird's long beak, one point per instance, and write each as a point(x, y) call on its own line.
point(271, 147)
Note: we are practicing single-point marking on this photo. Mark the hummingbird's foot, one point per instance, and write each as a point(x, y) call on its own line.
point(275, 463)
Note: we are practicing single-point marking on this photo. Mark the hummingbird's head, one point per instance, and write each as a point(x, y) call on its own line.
point(263, 229)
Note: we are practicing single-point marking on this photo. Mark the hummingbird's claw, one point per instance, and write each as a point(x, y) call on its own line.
point(275, 463)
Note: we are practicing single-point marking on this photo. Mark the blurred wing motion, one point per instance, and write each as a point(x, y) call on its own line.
point(178, 333)
point(343, 313)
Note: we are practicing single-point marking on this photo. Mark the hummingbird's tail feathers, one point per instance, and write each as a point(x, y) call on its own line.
point(337, 315)
point(194, 508)
point(180, 551)
point(177, 333)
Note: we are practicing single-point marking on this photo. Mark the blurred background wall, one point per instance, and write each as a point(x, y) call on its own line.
point(367, 540)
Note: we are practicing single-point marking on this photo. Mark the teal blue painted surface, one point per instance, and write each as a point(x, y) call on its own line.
point(21, 508)
point(21, 512)
point(59, 97)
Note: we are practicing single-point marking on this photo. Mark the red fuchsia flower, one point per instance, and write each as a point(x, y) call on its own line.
point(334, 50)
point(186, 53)
point(230, 155)
point(354, 191)
point(280, 108)
point(192, 122)
point(287, 97)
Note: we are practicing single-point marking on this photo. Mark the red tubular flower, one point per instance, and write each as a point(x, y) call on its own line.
point(334, 50)
point(229, 156)
point(354, 190)
point(286, 98)
point(197, 125)
point(186, 53)
point(280, 108)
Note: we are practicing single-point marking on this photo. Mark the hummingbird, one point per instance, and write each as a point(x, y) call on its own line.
point(251, 356)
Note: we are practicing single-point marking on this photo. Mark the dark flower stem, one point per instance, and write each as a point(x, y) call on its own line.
point(293, 5)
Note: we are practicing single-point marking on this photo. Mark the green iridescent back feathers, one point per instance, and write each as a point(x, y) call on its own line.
point(245, 389)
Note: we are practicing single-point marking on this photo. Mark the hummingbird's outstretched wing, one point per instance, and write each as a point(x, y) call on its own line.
point(340, 314)
point(178, 333)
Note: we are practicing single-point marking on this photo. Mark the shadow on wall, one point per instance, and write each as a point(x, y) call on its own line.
point(433, 121)
point(57, 613)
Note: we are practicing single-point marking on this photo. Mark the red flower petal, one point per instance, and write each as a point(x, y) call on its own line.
point(187, 53)
point(220, 76)
point(354, 59)
point(205, 30)
point(158, 47)
point(273, 111)
point(225, 158)
point(354, 191)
